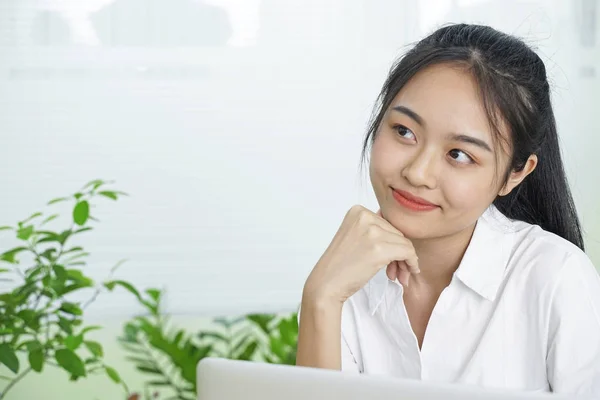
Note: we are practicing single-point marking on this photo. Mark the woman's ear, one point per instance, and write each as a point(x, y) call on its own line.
point(516, 177)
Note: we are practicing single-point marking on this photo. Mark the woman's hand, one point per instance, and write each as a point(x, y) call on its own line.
point(364, 244)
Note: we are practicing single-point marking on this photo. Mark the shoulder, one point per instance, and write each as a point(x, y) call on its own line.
point(541, 249)
point(540, 255)
point(547, 264)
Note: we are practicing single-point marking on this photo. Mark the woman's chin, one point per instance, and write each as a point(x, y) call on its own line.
point(412, 226)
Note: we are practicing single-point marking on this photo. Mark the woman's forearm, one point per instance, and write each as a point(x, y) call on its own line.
point(319, 334)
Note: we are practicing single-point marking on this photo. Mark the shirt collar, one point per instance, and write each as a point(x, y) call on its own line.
point(482, 266)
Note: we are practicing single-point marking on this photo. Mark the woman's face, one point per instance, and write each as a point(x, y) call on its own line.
point(435, 142)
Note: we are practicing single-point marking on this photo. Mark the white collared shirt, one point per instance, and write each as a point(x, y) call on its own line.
point(522, 312)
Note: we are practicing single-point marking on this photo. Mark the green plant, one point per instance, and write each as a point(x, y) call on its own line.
point(38, 316)
point(171, 355)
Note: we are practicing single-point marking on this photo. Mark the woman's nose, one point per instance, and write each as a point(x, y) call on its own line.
point(422, 170)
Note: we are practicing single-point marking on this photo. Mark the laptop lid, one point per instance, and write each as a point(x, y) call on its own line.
point(220, 379)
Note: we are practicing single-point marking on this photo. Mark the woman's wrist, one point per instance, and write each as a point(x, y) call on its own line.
point(320, 299)
point(320, 304)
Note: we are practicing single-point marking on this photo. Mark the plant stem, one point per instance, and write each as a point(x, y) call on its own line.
point(14, 382)
point(96, 293)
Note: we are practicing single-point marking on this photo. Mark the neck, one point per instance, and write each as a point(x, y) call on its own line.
point(439, 258)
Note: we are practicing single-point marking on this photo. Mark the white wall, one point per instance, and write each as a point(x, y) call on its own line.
point(236, 127)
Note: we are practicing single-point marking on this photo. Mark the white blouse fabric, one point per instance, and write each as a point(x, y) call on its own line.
point(522, 312)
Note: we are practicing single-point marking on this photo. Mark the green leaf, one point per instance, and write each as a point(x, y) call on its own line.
point(96, 183)
point(66, 325)
point(112, 374)
point(76, 256)
point(70, 362)
point(237, 348)
point(73, 249)
point(73, 287)
point(248, 351)
point(33, 273)
point(154, 294)
point(78, 195)
point(90, 328)
point(6, 228)
point(95, 348)
point(48, 237)
point(110, 194)
point(80, 230)
point(22, 293)
point(31, 345)
point(228, 323)
point(159, 382)
point(77, 276)
point(9, 358)
point(73, 342)
point(70, 308)
point(262, 320)
point(26, 314)
point(287, 332)
point(139, 360)
point(30, 317)
point(48, 219)
point(9, 256)
point(36, 359)
point(62, 238)
point(126, 285)
point(213, 335)
point(81, 212)
point(148, 370)
point(48, 254)
point(277, 347)
point(57, 200)
point(76, 263)
point(270, 359)
point(33, 216)
point(61, 272)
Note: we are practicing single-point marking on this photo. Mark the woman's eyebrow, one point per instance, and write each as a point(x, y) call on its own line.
point(410, 113)
point(469, 139)
point(456, 137)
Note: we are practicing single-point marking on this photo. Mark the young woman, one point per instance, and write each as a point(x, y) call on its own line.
point(473, 271)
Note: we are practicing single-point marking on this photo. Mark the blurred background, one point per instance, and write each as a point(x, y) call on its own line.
point(235, 126)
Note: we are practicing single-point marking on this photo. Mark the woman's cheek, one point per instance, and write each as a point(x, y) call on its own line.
point(467, 193)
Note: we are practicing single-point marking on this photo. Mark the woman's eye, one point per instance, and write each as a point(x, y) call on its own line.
point(460, 156)
point(404, 132)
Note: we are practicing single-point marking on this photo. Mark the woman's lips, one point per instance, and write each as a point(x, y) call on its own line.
point(412, 202)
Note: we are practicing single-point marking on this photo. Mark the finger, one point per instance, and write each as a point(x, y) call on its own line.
point(403, 277)
point(384, 224)
point(392, 270)
point(412, 265)
point(408, 251)
point(396, 250)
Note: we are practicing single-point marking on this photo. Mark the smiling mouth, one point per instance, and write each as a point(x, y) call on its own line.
point(412, 202)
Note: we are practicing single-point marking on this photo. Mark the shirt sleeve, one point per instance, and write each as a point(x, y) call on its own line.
point(573, 358)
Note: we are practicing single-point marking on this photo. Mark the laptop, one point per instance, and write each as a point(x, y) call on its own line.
point(221, 379)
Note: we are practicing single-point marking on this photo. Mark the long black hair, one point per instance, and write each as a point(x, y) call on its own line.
point(515, 92)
